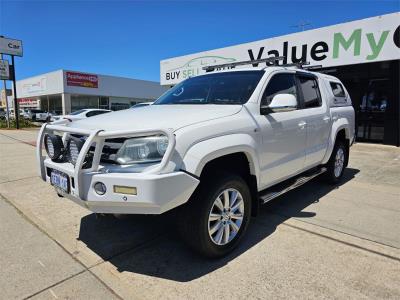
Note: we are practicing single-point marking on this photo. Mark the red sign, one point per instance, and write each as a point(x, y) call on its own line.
point(28, 102)
point(82, 79)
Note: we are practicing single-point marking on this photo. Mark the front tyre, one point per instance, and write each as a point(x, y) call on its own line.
point(217, 215)
point(337, 162)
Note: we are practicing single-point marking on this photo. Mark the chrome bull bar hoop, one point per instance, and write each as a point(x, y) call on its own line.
point(98, 136)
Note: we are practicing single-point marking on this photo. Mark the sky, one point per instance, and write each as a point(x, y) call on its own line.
point(129, 38)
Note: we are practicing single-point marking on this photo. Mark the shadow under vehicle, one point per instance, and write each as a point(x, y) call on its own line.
point(149, 244)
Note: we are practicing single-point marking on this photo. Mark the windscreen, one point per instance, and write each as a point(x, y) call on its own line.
point(219, 88)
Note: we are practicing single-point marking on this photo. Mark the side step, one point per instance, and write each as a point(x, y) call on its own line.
point(288, 185)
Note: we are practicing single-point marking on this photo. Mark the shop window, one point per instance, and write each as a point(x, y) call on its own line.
point(371, 113)
point(104, 102)
point(82, 102)
point(376, 98)
point(52, 104)
point(119, 106)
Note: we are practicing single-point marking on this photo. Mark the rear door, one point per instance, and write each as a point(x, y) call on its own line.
point(318, 120)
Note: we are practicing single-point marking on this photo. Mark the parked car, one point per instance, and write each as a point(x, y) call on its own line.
point(216, 146)
point(34, 114)
point(44, 116)
point(81, 114)
point(12, 114)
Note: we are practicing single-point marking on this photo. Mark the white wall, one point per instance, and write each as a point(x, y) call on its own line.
point(119, 87)
point(56, 83)
point(343, 44)
point(45, 84)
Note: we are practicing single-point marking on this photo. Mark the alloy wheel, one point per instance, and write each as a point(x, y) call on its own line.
point(339, 162)
point(226, 216)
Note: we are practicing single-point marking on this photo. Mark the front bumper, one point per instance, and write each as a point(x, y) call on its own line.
point(157, 192)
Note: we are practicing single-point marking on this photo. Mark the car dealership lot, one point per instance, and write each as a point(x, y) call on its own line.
point(318, 241)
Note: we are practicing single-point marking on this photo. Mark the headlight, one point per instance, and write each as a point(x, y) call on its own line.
point(54, 146)
point(74, 147)
point(139, 150)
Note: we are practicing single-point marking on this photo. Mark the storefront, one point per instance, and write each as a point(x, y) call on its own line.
point(62, 91)
point(364, 54)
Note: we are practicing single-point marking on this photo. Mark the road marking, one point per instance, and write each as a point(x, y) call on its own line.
point(54, 294)
point(344, 242)
point(23, 178)
point(33, 144)
point(42, 264)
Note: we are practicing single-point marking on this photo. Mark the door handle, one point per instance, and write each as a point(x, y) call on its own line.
point(302, 124)
point(326, 119)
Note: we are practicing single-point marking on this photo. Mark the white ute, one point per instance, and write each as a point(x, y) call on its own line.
point(217, 146)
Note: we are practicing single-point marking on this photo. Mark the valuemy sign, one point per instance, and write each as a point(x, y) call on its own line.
point(368, 40)
point(10, 46)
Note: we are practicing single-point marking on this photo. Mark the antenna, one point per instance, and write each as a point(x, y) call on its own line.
point(302, 25)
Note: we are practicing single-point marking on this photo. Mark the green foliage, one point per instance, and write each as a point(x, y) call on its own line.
point(22, 123)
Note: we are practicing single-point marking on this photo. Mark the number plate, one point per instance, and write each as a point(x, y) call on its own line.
point(60, 180)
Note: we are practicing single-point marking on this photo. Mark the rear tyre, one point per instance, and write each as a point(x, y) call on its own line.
point(216, 217)
point(337, 163)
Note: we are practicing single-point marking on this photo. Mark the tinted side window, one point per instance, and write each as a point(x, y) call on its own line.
point(100, 112)
point(309, 89)
point(95, 113)
point(337, 89)
point(92, 113)
point(279, 84)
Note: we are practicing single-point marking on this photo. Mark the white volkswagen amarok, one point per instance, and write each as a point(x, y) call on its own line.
point(216, 146)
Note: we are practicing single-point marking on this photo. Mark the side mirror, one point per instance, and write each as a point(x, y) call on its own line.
point(281, 103)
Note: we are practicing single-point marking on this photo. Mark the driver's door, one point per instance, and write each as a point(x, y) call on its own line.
point(283, 133)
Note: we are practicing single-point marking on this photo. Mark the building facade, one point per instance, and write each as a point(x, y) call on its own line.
point(65, 91)
point(364, 54)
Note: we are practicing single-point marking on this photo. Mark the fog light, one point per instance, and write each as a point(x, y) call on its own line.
point(128, 190)
point(100, 188)
point(54, 146)
point(74, 146)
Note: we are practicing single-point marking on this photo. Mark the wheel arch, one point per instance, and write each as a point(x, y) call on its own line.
point(236, 153)
point(340, 130)
point(201, 153)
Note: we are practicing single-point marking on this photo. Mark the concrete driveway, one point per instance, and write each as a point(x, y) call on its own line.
point(317, 241)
